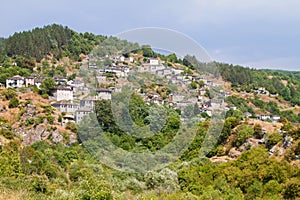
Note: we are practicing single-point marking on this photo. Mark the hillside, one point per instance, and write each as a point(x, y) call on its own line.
point(52, 39)
point(53, 81)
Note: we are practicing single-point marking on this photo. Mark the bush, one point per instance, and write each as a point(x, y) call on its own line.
point(273, 139)
point(13, 103)
point(292, 189)
point(7, 134)
point(30, 121)
point(9, 94)
point(50, 119)
point(72, 127)
point(243, 133)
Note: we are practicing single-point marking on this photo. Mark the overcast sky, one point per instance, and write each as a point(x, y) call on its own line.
point(255, 33)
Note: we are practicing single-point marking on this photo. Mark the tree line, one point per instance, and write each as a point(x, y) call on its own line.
point(53, 39)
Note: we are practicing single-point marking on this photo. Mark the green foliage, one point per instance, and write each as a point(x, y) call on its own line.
point(230, 123)
point(6, 133)
point(10, 164)
point(47, 85)
point(290, 115)
point(148, 52)
point(250, 79)
point(243, 133)
point(13, 103)
point(292, 189)
point(273, 139)
point(50, 119)
point(258, 132)
point(172, 58)
point(72, 127)
point(254, 175)
point(55, 39)
point(25, 62)
point(240, 103)
point(9, 94)
point(10, 71)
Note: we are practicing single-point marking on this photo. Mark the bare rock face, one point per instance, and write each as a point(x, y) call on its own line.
point(39, 133)
point(33, 127)
point(234, 153)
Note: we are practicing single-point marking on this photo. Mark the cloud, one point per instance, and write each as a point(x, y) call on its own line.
point(242, 30)
point(283, 63)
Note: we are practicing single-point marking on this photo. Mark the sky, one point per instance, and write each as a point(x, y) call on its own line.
point(252, 33)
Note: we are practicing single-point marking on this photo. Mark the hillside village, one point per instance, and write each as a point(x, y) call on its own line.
point(75, 99)
point(48, 147)
point(63, 95)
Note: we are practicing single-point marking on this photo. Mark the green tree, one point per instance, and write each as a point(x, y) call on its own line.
point(243, 133)
point(258, 133)
point(47, 85)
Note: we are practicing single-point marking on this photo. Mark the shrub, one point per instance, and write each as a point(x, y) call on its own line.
point(7, 134)
point(13, 103)
point(50, 119)
point(273, 139)
point(9, 94)
point(243, 133)
point(29, 121)
point(39, 120)
point(72, 127)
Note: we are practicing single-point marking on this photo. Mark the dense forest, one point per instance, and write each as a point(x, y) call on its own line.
point(246, 79)
point(2, 41)
point(53, 39)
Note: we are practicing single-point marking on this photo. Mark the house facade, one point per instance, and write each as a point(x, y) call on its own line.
point(29, 81)
point(65, 107)
point(153, 61)
point(63, 93)
point(103, 94)
point(87, 103)
point(15, 82)
point(80, 114)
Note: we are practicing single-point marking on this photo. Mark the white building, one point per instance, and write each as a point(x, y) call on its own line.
point(276, 118)
point(63, 93)
point(59, 80)
point(15, 82)
point(65, 107)
point(264, 117)
point(104, 94)
point(177, 71)
point(29, 81)
point(80, 114)
point(247, 114)
point(153, 61)
point(87, 103)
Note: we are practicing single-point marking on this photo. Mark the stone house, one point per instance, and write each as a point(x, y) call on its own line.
point(15, 82)
point(65, 107)
point(104, 94)
point(80, 114)
point(63, 93)
point(29, 81)
point(87, 103)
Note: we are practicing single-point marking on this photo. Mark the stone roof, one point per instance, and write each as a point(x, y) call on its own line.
point(62, 87)
point(16, 78)
point(103, 90)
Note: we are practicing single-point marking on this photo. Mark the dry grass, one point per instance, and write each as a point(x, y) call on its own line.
point(6, 194)
point(270, 127)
